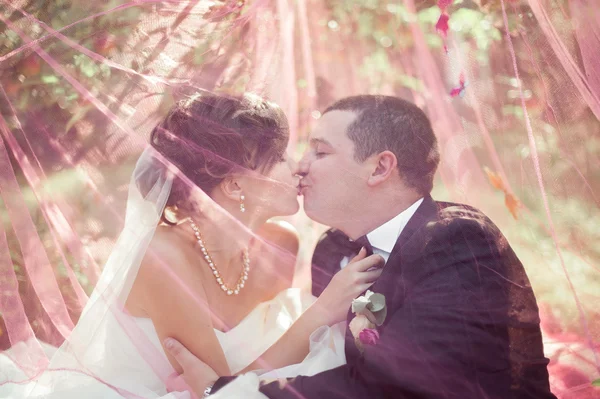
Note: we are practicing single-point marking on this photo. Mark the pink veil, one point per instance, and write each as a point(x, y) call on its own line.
point(512, 88)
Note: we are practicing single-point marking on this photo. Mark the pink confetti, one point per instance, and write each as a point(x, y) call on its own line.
point(442, 25)
point(443, 4)
point(460, 90)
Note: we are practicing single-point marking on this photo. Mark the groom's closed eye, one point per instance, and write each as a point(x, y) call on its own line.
point(320, 152)
point(320, 147)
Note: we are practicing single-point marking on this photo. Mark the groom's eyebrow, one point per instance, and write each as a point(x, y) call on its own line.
point(315, 141)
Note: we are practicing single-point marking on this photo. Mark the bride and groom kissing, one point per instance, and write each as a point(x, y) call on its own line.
point(437, 303)
point(461, 319)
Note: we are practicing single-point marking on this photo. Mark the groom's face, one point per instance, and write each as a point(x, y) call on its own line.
point(333, 181)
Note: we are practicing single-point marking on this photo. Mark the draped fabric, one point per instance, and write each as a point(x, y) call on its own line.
point(512, 88)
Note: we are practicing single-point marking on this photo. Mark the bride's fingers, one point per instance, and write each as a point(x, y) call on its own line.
point(369, 262)
point(370, 276)
point(363, 288)
point(361, 255)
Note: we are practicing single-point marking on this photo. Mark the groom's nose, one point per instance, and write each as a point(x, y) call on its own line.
point(302, 167)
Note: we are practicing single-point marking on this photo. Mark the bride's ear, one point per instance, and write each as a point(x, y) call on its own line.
point(384, 165)
point(231, 187)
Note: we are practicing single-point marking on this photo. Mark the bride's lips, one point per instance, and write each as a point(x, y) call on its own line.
point(301, 189)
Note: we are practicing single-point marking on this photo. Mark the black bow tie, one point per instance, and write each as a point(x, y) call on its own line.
point(348, 247)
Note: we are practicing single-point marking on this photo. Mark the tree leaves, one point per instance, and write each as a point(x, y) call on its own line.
point(49, 79)
point(510, 200)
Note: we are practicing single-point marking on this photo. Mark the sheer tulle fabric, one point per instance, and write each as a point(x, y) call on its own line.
point(518, 132)
point(111, 354)
point(106, 343)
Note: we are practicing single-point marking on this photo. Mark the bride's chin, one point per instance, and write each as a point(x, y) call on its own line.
point(286, 205)
point(293, 208)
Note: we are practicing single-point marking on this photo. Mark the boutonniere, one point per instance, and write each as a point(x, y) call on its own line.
point(370, 312)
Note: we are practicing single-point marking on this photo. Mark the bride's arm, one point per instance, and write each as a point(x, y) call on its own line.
point(330, 308)
point(293, 346)
point(175, 301)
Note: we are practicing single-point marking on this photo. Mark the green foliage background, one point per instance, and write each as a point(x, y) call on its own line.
point(373, 38)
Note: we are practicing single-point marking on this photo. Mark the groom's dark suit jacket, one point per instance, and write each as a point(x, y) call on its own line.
point(331, 248)
point(462, 320)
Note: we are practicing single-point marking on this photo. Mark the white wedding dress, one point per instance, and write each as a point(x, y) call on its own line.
point(110, 354)
point(125, 372)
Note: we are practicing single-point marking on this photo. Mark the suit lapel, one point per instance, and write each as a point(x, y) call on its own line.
point(388, 283)
point(426, 212)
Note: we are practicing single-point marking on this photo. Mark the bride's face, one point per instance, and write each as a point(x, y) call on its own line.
point(275, 193)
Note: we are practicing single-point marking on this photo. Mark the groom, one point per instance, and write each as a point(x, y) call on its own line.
point(462, 320)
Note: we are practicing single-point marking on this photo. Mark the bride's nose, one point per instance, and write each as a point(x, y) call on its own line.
point(292, 164)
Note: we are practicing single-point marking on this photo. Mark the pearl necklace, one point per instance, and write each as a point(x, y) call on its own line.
point(245, 260)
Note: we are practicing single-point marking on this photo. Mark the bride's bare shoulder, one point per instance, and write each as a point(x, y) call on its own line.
point(282, 234)
point(167, 256)
point(167, 242)
point(162, 268)
point(169, 237)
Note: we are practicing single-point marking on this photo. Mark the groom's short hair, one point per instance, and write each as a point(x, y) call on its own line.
point(390, 123)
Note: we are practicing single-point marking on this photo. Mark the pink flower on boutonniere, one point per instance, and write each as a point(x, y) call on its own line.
point(368, 336)
point(370, 311)
point(358, 324)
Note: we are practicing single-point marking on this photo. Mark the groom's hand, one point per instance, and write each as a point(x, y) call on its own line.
point(196, 374)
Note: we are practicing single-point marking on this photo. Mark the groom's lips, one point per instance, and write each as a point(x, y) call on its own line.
point(301, 188)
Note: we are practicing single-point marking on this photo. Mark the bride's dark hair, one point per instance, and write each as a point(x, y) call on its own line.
point(209, 136)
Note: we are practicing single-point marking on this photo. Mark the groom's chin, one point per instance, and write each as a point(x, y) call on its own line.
point(314, 216)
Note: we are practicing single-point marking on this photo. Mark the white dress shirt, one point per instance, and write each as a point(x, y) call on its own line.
point(384, 237)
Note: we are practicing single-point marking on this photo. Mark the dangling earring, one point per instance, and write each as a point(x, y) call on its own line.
point(242, 206)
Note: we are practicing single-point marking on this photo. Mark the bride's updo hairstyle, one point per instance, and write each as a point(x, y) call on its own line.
point(209, 136)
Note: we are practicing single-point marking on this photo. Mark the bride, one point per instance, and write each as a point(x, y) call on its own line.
point(198, 261)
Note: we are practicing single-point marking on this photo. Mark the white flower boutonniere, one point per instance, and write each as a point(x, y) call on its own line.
point(370, 311)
